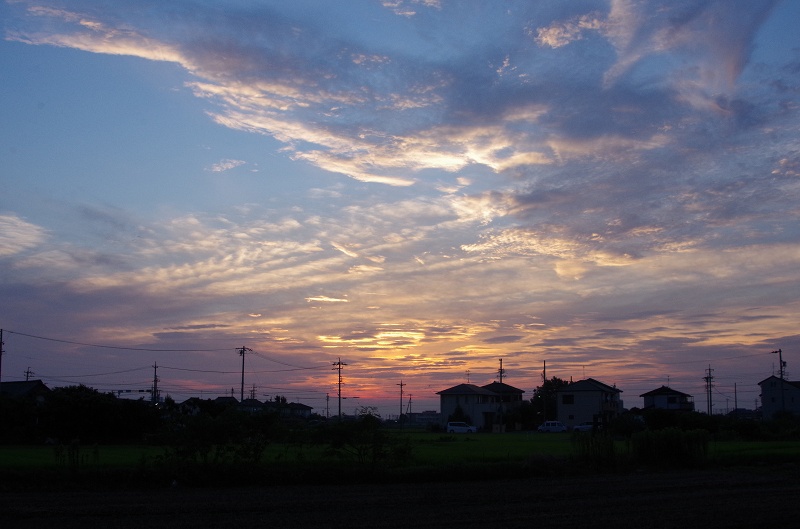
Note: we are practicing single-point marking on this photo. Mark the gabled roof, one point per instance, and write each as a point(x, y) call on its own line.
point(795, 383)
point(589, 384)
point(664, 391)
point(465, 389)
point(24, 388)
point(502, 388)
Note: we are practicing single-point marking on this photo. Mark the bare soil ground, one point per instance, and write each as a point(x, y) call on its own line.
point(680, 499)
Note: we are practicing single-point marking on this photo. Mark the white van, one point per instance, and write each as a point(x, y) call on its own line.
point(552, 426)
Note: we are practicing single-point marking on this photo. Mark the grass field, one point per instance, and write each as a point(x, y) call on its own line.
point(427, 449)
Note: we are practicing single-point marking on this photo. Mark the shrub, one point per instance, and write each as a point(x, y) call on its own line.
point(670, 446)
point(595, 449)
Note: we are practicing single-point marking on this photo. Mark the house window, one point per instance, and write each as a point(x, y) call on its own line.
point(567, 399)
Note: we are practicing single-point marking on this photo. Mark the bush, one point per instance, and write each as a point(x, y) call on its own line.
point(670, 446)
point(594, 449)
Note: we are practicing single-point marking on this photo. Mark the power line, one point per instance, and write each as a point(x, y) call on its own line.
point(104, 374)
point(114, 346)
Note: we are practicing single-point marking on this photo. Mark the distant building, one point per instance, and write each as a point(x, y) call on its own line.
point(666, 398)
point(484, 405)
point(587, 400)
point(427, 417)
point(34, 390)
point(779, 395)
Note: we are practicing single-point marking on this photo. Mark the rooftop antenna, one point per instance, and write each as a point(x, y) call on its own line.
point(501, 371)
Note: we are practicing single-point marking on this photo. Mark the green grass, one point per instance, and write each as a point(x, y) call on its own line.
point(42, 457)
point(427, 449)
point(445, 449)
point(751, 450)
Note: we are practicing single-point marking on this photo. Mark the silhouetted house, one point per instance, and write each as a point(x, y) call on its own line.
point(33, 390)
point(779, 396)
point(251, 405)
point(298, 409)
point(427, 417)
point(587, 400)
point(193, 406)
point(744, 414)
point(666, 398)
point(288, 409)
point(483, 405)
point(226, 401)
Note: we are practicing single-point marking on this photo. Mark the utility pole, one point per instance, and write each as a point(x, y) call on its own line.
point(154, 396)
point(338, 366)
point(242, 350)
point(782, 365)
point(501, 371)
point(401, 398)
point(708, 378)
point(544, 396)
point(1, 361)
point(28, 374)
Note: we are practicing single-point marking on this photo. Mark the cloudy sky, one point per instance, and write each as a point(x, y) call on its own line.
point(419, 188)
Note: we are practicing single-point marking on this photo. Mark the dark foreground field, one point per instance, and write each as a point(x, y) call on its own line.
point(710, 498)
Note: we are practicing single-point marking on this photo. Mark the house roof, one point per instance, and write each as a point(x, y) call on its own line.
point(664, 391)
point(24, 388)
point(465, 389)
point(494, 389)
point(590, 384)
point(503, 389)
point(795, 383)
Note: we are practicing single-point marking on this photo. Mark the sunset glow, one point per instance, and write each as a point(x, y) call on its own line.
point(419, 189)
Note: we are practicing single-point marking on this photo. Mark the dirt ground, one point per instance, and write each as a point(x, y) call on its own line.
point(721, 498)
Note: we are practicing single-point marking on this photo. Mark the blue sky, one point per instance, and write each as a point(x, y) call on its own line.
point(419, 188)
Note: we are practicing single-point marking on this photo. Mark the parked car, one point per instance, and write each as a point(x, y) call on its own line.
point(584, 427)
point(460, 427)
point(552, 426)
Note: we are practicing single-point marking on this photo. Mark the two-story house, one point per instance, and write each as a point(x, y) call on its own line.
point(587, 400)
point(666, 398)
point(778, 396)
point(484, 405)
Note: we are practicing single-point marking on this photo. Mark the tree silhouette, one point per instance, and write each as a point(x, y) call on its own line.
point(544, 398)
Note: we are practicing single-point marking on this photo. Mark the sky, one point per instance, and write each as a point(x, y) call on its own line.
point(417, 189)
